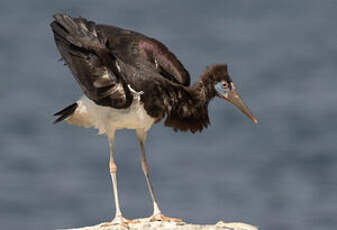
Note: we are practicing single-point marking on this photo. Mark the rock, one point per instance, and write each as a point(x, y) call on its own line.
point(143, 224)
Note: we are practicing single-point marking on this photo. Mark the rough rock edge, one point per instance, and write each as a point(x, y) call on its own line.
point(143, 224)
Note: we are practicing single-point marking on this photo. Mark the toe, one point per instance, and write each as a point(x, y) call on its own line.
point(161, 217)
point(118, 220)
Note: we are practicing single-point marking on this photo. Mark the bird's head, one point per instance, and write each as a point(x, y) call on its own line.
point(225, 88)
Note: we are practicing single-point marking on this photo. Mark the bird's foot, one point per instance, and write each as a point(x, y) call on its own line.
point(118, 220)
point(161, 217)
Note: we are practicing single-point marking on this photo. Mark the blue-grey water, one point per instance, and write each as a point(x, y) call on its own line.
point(279, 174)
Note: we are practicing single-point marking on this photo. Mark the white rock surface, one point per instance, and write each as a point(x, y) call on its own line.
point(143, 224)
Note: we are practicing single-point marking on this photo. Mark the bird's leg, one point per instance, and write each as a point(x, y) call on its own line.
point(119, 219)
point(157, 214)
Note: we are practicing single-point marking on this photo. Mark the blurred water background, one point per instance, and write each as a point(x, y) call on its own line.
point(279, 174)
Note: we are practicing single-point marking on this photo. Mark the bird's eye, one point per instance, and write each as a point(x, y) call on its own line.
point(222, 87)
point(225, 84)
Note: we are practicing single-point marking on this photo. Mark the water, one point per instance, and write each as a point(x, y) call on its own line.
point(279, 174)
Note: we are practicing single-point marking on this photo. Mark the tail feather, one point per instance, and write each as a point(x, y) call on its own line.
point(65, 113)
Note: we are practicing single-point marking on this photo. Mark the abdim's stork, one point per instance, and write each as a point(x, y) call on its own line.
point(131, 81)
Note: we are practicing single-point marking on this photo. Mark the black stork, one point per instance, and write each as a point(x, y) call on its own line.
point(131, 81)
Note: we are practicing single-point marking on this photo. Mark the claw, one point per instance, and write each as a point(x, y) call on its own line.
point(161, 217)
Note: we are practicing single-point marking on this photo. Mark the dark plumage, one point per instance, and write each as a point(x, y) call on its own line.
point(66, 112)
point(95, 60)
point(131, 81)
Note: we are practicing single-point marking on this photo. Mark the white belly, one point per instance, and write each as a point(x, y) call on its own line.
point(107, 119)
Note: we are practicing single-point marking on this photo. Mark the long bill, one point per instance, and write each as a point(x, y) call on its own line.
point(234, 98)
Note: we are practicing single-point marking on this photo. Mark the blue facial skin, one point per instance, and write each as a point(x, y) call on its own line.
point(220, 89)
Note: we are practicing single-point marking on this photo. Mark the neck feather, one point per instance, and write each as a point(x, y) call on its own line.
point(204, 88)
point(190, 113)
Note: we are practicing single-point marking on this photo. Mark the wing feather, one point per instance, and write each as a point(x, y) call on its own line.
point(142, 52)
point(92, 66)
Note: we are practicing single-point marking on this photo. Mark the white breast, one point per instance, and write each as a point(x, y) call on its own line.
point(107, 119)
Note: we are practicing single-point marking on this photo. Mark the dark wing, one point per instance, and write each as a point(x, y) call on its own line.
point(93, 66)
point(143, 52)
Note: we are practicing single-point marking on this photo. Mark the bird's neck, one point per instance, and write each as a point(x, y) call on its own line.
point(190, 111)
point(204, 88)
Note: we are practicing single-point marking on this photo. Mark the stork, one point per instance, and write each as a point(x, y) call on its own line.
point(131, 81)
